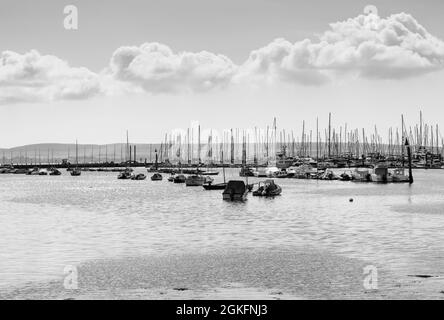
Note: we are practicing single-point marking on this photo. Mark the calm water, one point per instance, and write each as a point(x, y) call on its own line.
point(309, 242)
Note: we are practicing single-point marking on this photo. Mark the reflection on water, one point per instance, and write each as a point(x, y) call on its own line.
point(48, 222)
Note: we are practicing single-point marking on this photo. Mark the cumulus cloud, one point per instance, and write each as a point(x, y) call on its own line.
point(33, 77)
point(367, 46)
point(156, 68)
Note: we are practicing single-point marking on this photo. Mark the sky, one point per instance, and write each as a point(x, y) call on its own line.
point(153, 66)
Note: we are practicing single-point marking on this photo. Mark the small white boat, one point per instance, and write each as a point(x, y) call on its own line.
point(398, 175)
point(139, 176)
point(33, 172)
point(266, 172)
point(381, 174)
point(361, 175)
point(124, 175)
point(281, 174)
point(208, 180)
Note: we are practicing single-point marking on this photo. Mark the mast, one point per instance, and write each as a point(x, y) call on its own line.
point(317, 146)
point(188, 146)
point(329, 134)
point(275, 138)
point(266, 146)
point(232, 148)
point(223, 166)
point(409, 155)
point(303, 139)
point(127, 146)
point(402, 138)
point(77, 154)
point(198, 145)
point(420, 129)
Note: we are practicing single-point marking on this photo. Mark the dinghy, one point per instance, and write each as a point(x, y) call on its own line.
point(194, 180)
point(139, 176)
point(267, 189)
point(156, 177)
point(180, 178)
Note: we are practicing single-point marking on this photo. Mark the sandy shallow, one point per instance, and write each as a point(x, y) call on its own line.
point(244, 274)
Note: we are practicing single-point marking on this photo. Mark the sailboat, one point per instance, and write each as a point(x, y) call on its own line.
point(217, 186)
point(127, 173)
point(157, 176)
point(76, 171)
point(196, 179)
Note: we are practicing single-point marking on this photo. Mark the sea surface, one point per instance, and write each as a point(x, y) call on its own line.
point(158, 240)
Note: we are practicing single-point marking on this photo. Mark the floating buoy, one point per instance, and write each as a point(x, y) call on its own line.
point(350, 200)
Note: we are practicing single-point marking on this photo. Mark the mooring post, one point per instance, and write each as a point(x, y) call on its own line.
point(409, 156)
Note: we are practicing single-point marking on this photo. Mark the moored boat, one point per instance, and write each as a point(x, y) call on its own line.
point(329, 175)
point(346, 176)
point(210, 173)
point(269, 172)
point(216, 186)
point(194, 180)
point(157, 177)
point(180, 178)
point(281, 173)
point(21, 171)
point(381, 173)
point(54, 172)
point(76, 172)
point(235, 190)
point(267, 189)
point(398, 175)
point(124, 175)
point(208, 180)
point(361, 175)
point(246, 172)
point(4, 170)
point(139, 176)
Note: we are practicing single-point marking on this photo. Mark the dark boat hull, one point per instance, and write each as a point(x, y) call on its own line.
point(217, 186)
point(209, 173)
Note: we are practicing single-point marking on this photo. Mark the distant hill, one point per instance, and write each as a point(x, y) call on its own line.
point(55, 152)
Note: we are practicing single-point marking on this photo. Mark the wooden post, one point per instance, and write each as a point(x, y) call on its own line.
point(409, 155)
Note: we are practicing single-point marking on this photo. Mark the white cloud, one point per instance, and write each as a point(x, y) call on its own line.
point(34, 77)
point(367, 46)
point(156, 68)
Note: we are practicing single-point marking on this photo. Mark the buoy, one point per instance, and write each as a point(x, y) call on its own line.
point(351, 199)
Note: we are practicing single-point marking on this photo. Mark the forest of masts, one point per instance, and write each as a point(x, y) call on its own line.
point(262, 145)
point(258, 145)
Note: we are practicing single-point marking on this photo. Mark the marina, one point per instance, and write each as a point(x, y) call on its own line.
point(368, 160)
